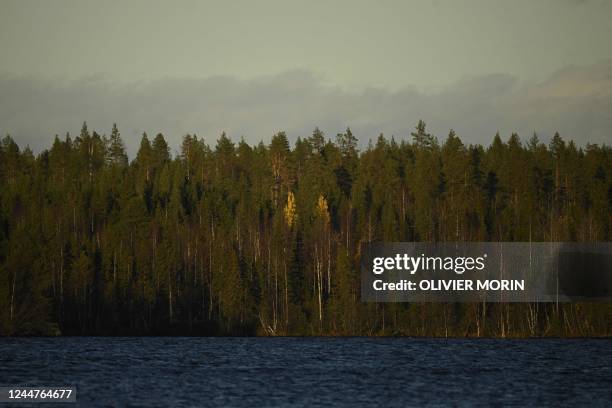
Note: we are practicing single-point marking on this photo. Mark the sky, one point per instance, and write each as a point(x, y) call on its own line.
point(254, 68)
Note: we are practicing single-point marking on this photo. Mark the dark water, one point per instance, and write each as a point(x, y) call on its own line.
point(314, 371)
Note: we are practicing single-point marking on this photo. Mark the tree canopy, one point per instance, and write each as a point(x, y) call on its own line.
point(229, 238)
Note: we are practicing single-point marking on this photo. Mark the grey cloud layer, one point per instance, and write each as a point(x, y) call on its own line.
point(576, 101)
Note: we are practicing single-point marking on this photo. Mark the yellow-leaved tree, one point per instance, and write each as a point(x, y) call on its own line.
point(290, 210)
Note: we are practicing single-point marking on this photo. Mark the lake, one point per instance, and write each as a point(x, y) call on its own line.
point(157, 371)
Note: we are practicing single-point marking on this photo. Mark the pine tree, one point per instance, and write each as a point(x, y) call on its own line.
point(116, 149)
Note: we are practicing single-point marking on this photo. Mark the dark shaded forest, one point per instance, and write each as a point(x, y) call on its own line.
point(233, 239)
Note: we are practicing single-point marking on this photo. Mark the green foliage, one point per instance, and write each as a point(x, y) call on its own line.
point(265, 239)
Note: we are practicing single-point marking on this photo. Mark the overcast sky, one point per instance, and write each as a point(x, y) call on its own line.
point(255, 67)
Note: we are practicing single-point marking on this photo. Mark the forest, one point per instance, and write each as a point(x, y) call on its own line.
point(228, 238)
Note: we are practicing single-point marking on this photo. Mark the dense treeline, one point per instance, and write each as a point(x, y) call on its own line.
point(240, 239)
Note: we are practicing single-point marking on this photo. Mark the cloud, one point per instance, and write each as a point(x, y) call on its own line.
point(576, 101)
